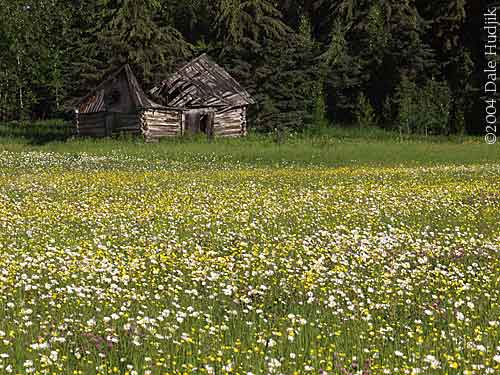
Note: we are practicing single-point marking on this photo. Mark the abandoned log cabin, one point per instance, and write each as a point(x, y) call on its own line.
point(120, 106)
point(211, 100)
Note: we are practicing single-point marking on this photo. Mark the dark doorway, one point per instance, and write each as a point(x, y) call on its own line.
point(110, 124)
point(192, 123)
point(207, 124)
point(196, 122)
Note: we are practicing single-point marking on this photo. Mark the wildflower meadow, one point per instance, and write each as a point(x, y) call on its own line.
point(113, 264)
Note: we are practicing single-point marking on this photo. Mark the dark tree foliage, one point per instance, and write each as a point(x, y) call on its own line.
point(301, 60)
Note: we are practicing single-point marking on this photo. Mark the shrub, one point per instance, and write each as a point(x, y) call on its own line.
point(365, 114)
point(423, 110)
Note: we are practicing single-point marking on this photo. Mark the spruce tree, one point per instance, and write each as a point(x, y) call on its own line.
point(249, 22)
point(133, 34)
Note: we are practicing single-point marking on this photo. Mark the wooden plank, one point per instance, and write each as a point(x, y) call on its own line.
point(91, 121)
point(231, 128)
point(159, 136)
point(163, 127)
point(227, 132)
point(91, 127)
point(120, 124)
point(162, 122)
point(138, 132)
point(135, 120)
point(163, 112)
point(127, 128)
point(129, 115)
point(92, 115)
point(92, 134)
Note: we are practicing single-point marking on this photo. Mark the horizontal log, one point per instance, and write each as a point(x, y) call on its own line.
point(159, 136)
point(234, 124)
point(228, 118)
point(229, 114)
point(162, 112)
point(92, 121)
point(91, 115)
point(92, 133)
point(228, 135)
point(228, 123)
point(164, 128)
point(126, 115)
point(129, 132)
point(91, 128)
point(164, 132)
point(162, 122)
point(126, 120)
point(127, 128)
point(232, 127)
point(238, 131)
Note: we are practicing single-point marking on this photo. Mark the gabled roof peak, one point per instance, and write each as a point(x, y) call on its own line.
point(94, 101)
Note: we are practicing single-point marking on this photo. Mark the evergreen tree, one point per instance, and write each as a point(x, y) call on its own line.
point(248, 22)
point(132, 33)
point(298, 58)
point(289, 82)
point(448, 36)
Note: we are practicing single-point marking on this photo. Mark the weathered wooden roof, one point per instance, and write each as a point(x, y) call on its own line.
point(95, 100)
point(202, 83)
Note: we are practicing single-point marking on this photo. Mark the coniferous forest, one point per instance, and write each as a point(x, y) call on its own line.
point(408, 66)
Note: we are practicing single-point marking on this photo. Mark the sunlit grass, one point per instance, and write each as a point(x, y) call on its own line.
point(226, 258)
point(339, 147)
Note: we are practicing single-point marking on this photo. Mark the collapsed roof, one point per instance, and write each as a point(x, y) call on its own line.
point(202, 83)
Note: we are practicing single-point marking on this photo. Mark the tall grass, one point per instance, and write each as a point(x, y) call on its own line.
point(336, 147)
point(162, 270)
point(38, 131)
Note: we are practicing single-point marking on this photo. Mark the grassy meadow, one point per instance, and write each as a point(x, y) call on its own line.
point(323, 255)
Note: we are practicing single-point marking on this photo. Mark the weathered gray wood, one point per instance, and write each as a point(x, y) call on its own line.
point(161, 129)
point(202, 83)
point(163, 123)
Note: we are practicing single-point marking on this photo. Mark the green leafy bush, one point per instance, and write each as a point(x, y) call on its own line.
point(423, 109)
point(365, 114)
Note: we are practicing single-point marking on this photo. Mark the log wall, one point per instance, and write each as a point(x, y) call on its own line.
point(230, 122)
point(162, 123)
point(106, 124)
point(159, 123)
point(91, 124)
